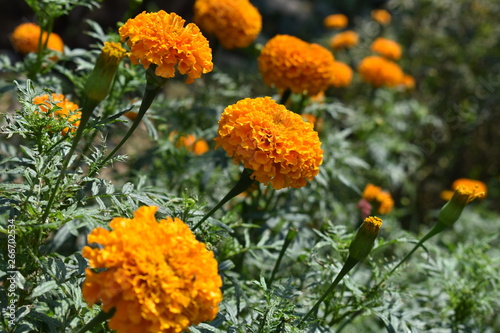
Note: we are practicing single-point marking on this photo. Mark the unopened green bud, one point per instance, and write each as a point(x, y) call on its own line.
point(363, 242)
point(102, 76)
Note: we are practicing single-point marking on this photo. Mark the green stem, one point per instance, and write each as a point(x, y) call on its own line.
point(302, 101)
point(153, 87)
point(290, 236)
point(100, 318)
point(285, 96)
point(349, 264)
point(87, 109)
point(438, 227)
point(242, 185)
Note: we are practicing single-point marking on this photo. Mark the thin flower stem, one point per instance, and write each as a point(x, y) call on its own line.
point(87, 109)
point(349, 264)
point(100, 318)
point(290, 236)
point(242, 185)
point(285, 96)
point(438, 227)
point(302, 101)
point(153, 87)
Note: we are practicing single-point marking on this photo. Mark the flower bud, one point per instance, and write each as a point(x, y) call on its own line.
point(363, 242)
point(102, 76)
point(452, 210)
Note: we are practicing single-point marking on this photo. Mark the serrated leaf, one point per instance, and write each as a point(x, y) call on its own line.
point(43, 288)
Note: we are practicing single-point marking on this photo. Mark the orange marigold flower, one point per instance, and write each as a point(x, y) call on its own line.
point(66, 109)
point(342, 75)
point(476, 186)
point(287, 62)
point(379, 71)
point(462, 195)
point(344, 40)
point(408, 82)
point(200, 147)
point(371, 191)
point(383, 200)
point(235, 23)
point(163, 40)
point(26, 36)
point(387, 48)
point(197, 146)
point(156, 274)
point(335, 21)
point(277, 144)
point(381, 16)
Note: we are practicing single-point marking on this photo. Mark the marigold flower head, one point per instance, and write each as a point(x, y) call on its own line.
point(408, 82)
point(156, 274)
point(462, 195)
point(344, 40)
point(341, 74)
point(472, 184)
point(385, 202)
point(163, 40)
point(381, 16)
point(66, 109)
point(381, 199)
point(277, 144)
point(380, 72)
point(191, 143)
point(335, 21)
point(287, 62)
point(26, 36)
point(387, 48)
point(371, 191)
point(364, 240)
point(235, 23)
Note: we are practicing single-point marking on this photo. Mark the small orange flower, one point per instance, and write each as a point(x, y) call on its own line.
point(408, 82)
point(66, 109)
point(335, 21)
point(344, 40)
point(342, 75)
point(156, 274)
point(465, 192)
point(381, 16)
point(26, 36)
point(197, 146)
point(163, 40)
point(287, 62)
point(380, 72)
point(278, 145)
point(470, 184)
point(387, 48)
point(385, 201)
point(235, 23)
point(371, 191)
point(382, 199)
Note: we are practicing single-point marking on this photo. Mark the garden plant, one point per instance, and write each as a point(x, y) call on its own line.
point(236, 168)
